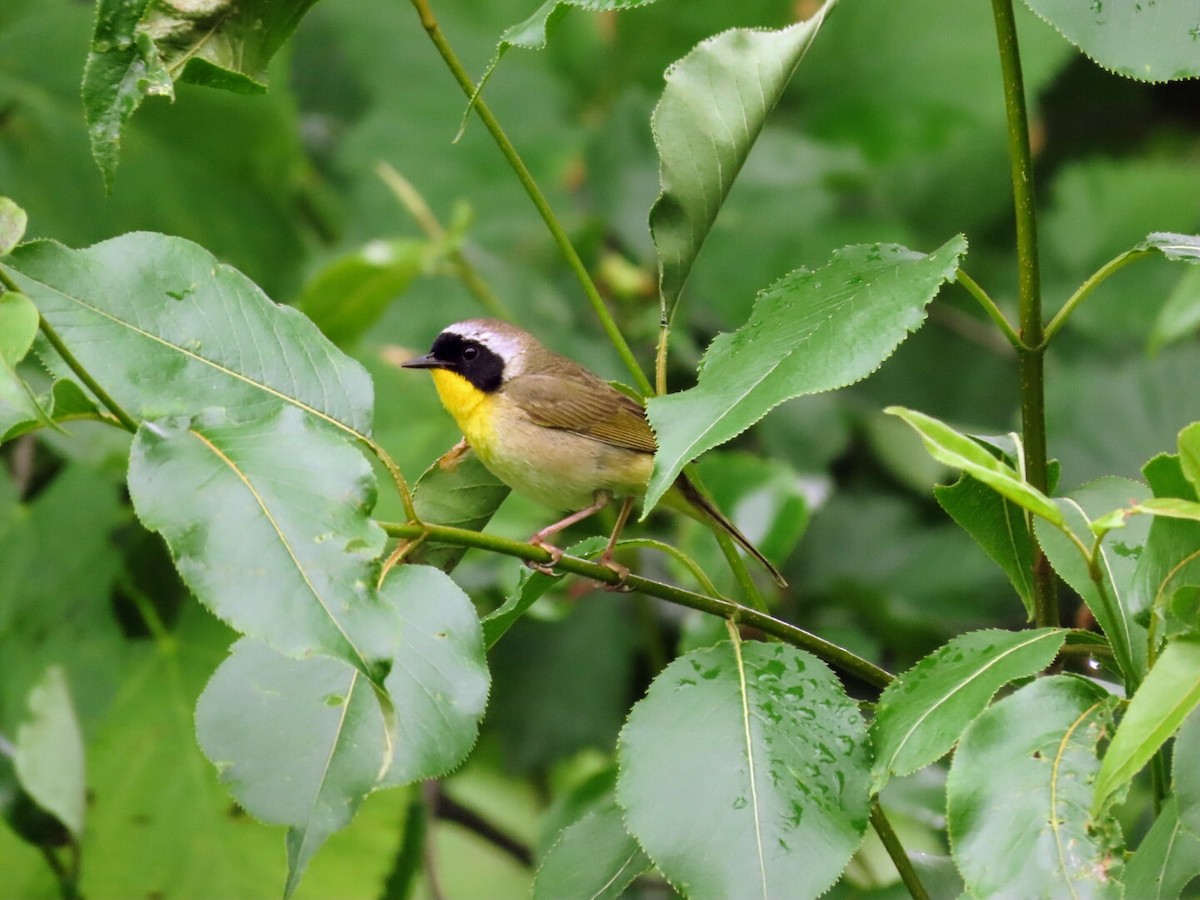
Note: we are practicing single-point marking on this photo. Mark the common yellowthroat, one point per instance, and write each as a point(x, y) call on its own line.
point(550, 429)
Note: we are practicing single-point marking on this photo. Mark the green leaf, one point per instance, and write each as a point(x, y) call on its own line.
point(957, 450)
point(348, 295)
point(531, 585)
point(168, 330)
point(922, 714)
point(1180, 315)
point(12, 225)
point(1171, 558)
point(744, 773)
point(1171, 691)
point(594, 857)
point(1171, 507)
point(1185, 774)
point(1146, 41)
point(811, 331)
point(1185, 247)
point(18, 328)
point(1166, 860)
point(439, 682)
point(49, 752)
point(463, 493)
point(297, 742)
point(1119, 551)
point(1189, 454)
point(267, 523)
point(141, 48)
point(711, 112)
point(1018, 793)
point(998, 526)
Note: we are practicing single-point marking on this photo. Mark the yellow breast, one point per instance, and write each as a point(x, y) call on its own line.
point(471, 408)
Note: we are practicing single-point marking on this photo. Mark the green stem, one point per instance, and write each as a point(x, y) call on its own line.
point(1030, 356)
point(737, 565)
point(430, 24)
point(75, 366)
point(412, 200)
point(1113, 265)
point(718, 606)
point(989, 306)
point(686, 561)
point(896, 851)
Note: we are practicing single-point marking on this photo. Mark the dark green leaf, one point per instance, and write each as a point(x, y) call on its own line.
point(297, 742)
point(1146, 41)
point(744, 773)
point(1119, 551)
point(141, 48)
point(531, 585)
point(12, 225)
point(1166, 860)
point(439, 681)
point(463, 493)
point(168, 330)
point(64, 401)
point(594, 857)
point(922, 714)
point(348, 295)
point(957, 450)
point(998, 525)
point(713, 108)
point(49, 752)
point(811, 331)
point(267, 523)
point(1019, 790)
point(1169, 693)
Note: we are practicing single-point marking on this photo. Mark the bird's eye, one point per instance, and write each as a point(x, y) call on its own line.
point(470, 353)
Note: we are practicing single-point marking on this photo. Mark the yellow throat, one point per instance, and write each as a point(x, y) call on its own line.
point(471, 407)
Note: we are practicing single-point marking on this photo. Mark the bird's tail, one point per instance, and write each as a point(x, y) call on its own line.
point(715, 517)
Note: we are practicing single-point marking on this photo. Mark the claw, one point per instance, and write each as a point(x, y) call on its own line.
point(618, 587)
point(546, 568)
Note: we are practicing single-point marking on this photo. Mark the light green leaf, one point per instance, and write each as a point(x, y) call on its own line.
point(922, 714)
point(1186, 774)
point(713, 108)
point(348, 295)
point(49, 752)
point(1171, 558)
point(531, 34)
point(462, 493)
point(1120, 550)
point(141, 48)
point(267, 523)
point(957, 450)
point(1147, 41)
point(744, 773)
point(594, 857)
point(1180, 315)
point(439, 681)
point(1189, 454)
point(1166, 860)
point(1018, 793)
point(1171, 507)
point(531, 585)
point(811, 331)
point(168, 330)
point(1171, 691)
point(297, 742)
point(18, 328)
point(1185, 247)
point(12, 225)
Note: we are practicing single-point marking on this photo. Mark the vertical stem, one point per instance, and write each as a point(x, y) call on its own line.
point(1031, 356)
point(896, 851)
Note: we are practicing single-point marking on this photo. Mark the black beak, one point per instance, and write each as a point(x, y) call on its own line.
point(428, 361)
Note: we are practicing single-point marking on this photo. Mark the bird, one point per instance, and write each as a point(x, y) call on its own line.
point(552, 430)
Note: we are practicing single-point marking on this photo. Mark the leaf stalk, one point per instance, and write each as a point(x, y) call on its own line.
point(891, 843)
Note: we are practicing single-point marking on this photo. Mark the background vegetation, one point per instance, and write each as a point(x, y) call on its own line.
point(342, 191)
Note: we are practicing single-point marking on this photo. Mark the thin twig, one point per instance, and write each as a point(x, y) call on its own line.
point(895, 850)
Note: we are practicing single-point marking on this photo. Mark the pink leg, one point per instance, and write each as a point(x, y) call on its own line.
point(539, 539)
point(606, 557)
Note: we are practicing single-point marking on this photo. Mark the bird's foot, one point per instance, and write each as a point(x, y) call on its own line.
point(449, 460)
point(620, 586)
point(546, 568)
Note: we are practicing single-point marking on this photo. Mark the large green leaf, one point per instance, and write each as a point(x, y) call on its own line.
point(1119, 551)
point(811, 331)
point(954, 449)
point(141, 48)
point(1167, 858)
point(267, 522)
point(1185, 774)
point(297, 742)
point(49, 752)
point(1169, 693)
point(1142, 40)
point(744, 773)
point(594, 857)
point(12, 225)
point(713, 108)
point(168, 330)
point(1019, 790)
point(922, 714)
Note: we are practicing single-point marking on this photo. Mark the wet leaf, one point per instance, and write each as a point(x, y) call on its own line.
point(744, 773)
